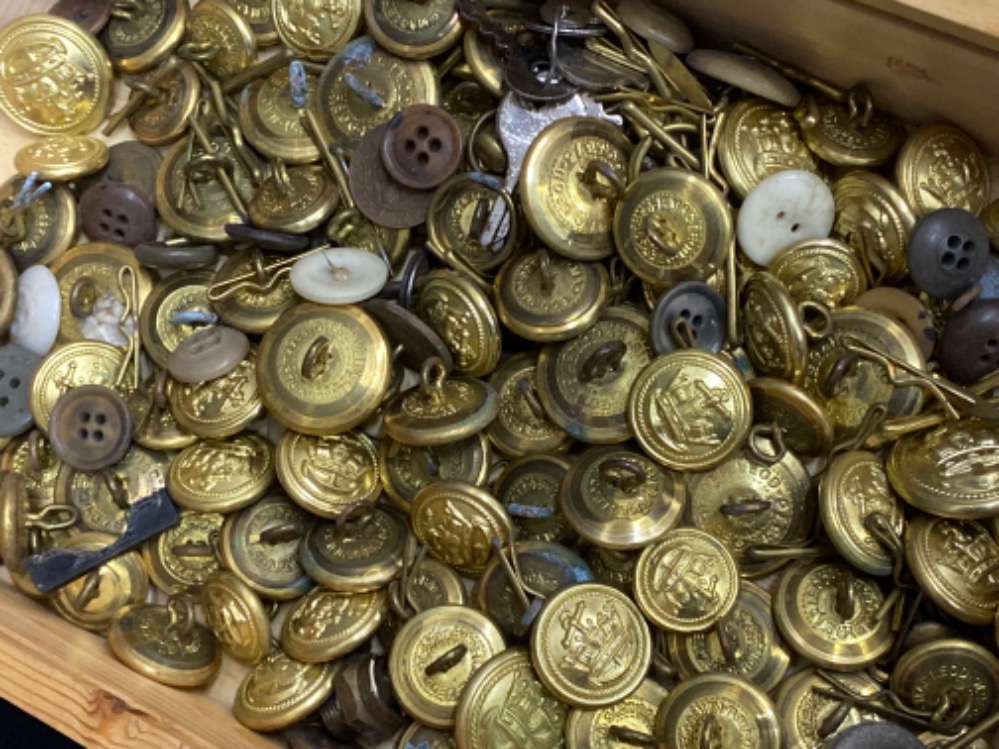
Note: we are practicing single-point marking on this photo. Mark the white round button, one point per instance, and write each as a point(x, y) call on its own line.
point(341, 275)
point(36, 314)
point(745, 73)
point(784, 208)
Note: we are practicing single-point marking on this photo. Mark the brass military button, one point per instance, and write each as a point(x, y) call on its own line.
point(850, 133)
point(61, 157)
point(544, 298)
point(583, 383)
point(324, 624)
point(406, 469)
point(686, 581)
point(459, 523)
point(207, 354)
point(41, 231)
point(220, 407)
point(861, 514)
point(315, 35)
point(69, 366)
point(717, 709)
point(948, 471)
point(617, 498)
point(939, 166)
point(294, 199)
point(570, 181)
point(948, 678)
point(328, 474)
point(828, 614)
point(270, 121)
point(323, 369)
point(946, 252)
point(362, 551)
point(56, 77)
point(413, 33)
point(155, 425)
point(774, 327)
point(164, 117)
point(221, 37)
point(114, 212)
point(426, 584)
point(32, 459)
point(804, 424)
point(222, 475)
point(578, 644)
point(433, 658)
point(529, 488)
point(90, 427)
point(422, 145)
point(969, 344)
point(906, 309)
point(17, 365)
point(142, 38)
point(165, 644)
point(744, 642)
point(92, 600)
point(279, 691)
point(507, 686)
point(825, 271)
point(236, 616)
point(690, 410)
point(634, 717)
point(806, 700)
point(956, 563)
point(182, 558)
point(250, 309)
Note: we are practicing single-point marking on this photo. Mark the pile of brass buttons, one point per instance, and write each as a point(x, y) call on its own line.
point(522, 375)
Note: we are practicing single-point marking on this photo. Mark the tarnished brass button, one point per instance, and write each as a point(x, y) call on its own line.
point(294, 199)
point(939, 166)
point(617, 498)
point(506, 685)
point(269, 120)
point(804, 424)
point(529, 489)
point(579, 642)
point(316, 35)
point(182, 558)
point(70, 366)
point(406, 469)
point(221, 38)
point(427, 584)
point(237, 617)
point(222, 475)
point(433, 658)
point(220, 407)
point(247, 309)
point(62, 157)
point(324, 624)
point(850, 133)
point(43, 230)
point(419, 735)
point(776, 337)
point(462, 315)
point(804, 712)
point(279, 691)
point(414, 33)
point(825, 271)
point(162, 119)
point(632, 717)
point(145, 36)
point(690, 409)
point(828, 614)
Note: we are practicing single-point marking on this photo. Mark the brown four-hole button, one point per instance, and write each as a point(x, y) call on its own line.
point(114, 212)
point(969, 344)
point(90, 427)
point(422, 146)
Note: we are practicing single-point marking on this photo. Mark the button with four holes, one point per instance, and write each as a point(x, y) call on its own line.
point(969, 345)
point(114, 212)
point(208, 354)
point(17, 364)
point(90, 427)
point(690, 314)
point(947, 252)
point(422, 146)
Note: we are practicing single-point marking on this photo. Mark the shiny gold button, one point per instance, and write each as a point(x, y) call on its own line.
point(858, 509)
point(632, 717)
point(433, 658)
point(505, 699)
point(316, 35)
point(940, 166)
point(279, 691)
point(40, 232)
point(827, 613)
point(804, 712)
point(56, 78)
point(414, 33)
point(690, 409)
point(717, 709)
point(62, 157)
point(425, 584)
point(824, 271)
point(956, 563)
point(617, 498)
point(687, 581)
point(181, 558)
point(271, 123)
point(237, 617)
point(220, 407)
point(222, 475)
point(221, 38)
point(804, 424)
point(252, 309)
point(294, 199)
point(774, 328)
point(69, 366)
point(325, 624)
point(851, 132)
point(571, 178)
point(406, 469)
point(590, 646)
point(323, 370)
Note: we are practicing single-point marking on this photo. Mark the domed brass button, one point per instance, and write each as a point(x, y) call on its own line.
point(178, 298)
point(324, 624)
point(405, 469)
point(804, 711)
point(279, 691)
point(181, 558)
point(62, 157)
point(529, 489)
point(237, 617)
point(632, 717)
point(804, 424)
point(825, 271)
point(311, 35)
point(939, 166)
point(222, 475)
point(776, 336)
point(399, 28)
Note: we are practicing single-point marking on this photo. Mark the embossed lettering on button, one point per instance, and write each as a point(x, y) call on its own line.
point(90, 427)
point(784, 208)
point(947, 252)
point(17, 364)
point(745, 73)
point(114, 212)
point(37, 311)
point(691, 314)
point(208, 354)
point(341, 275)
point(422, 146)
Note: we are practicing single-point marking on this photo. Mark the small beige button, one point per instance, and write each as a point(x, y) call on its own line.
point(208, 354)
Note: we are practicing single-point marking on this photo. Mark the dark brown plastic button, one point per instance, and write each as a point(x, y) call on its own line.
point(276, 241)
point(114, 212)
point(17, 364)
point(130, 163)
point(422, 146)
point(176, 257)
point(208, 354)
point(947, 252)
point(90, 427)
point(380, 197)
point(92, 15)
point(969, 344)
point(691, 313)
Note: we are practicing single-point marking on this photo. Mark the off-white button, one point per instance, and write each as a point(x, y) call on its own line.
point(36, 316)
point(745, 73)
point(784, 208)
point(342, 275)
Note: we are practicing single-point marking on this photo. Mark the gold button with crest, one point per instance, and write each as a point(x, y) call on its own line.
point(181, 558)
point(940, 166)
point(717, 710)
point(804, 424)
point(293, 199)
point(236, 616)
point(459, 523)
point(38, 466)
point(859, 509)
point(460, 312)
point(544, 297)
point(687, 581)
point(221, 38)
point(824, 271)
point(165, 643)
point(326, 475)
point(435, 655)
point(155, 426)
point(406, 469)
point(522, 426)
point(774, 328)
point(62, 157)
point(828, 614)
point(40, 232)
point(571, 179)
point(279, 691)
point(316, 35)
point(70, 366)
point(159, 324)
point(55, 78)
point(690, 410)
point(271, 123)
point(221, 407)
point(325, 624)
point(414, 32)
point(590, 646)
point(323, 370)
point(672, 225)
point(506, 689)
point(956, 563)
point(804, 711)
point(634, 717)
point(583, 383)
point(851, 132)
point(222, 475)
point(617, 498)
